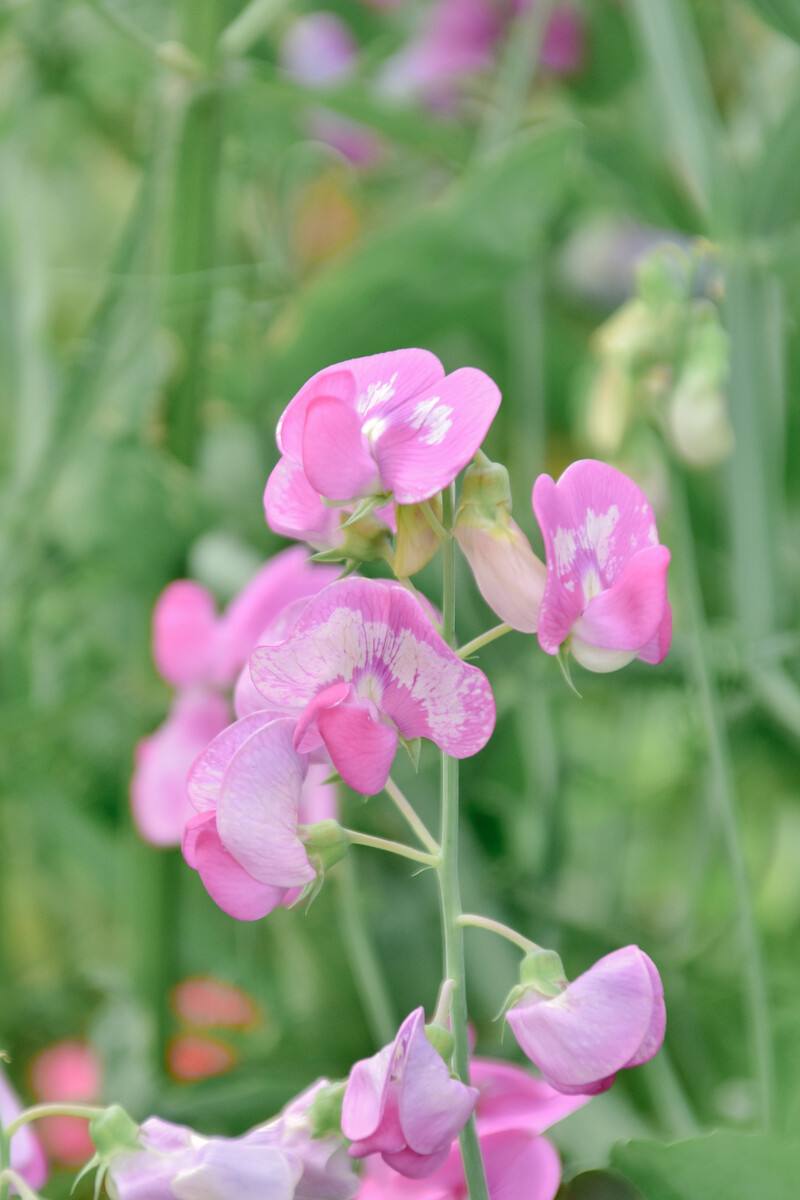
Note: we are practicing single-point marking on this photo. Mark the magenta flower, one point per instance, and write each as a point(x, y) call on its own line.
point(362, 667)
point(27, 1156)
point(606, 590)
point(69, 1072)
point(513, 1110)
point(609, 1018)
point(251, 790)
point(390, 424)
point(564, 43)
point(200, 654)
point(404, 1105)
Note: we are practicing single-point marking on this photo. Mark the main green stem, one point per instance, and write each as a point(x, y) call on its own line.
point(449, 887)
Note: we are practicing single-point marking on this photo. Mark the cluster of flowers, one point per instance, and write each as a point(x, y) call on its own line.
point(336, 673)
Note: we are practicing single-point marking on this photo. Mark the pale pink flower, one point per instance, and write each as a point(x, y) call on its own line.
point(319, 50)
point(69, 1072)
point(390, 424)
point(27, 1156)
point(606, 591)
point(611, 1017)
point(201, 654)
point(363, 667)
point(404, 1105)
point(513, 1110)
point(251, 790)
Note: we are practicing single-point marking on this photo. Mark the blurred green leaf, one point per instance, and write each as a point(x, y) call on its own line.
point(721, 1166)
point(599, 1185)
point(783, 15)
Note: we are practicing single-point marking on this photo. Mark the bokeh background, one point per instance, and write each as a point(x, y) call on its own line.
point(203, 203)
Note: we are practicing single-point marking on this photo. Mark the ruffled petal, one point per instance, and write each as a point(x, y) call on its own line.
point(228, 884)
point(361, 748)
point(293, 509)
point(336, 460)
point(433, 1106)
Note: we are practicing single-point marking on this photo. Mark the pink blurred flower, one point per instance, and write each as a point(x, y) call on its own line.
point(564, 43)
point(276, 1161)
point(319, 50)
point(513, 1110)
point(362, 667)
point(27, 1156)
point(609, 1018)
point(206, 1003)
point(201, 654)
point(606, 591)
point(251, 790)
point(69, 1072)
point(404, 1105)
point(390, 423)
point(194, 1056)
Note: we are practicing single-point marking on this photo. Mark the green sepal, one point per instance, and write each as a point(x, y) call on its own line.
point(325, 1113)
point(336, 555)
point(563, 662)
point(326, 843)
point(113, 1131)
point(543, 971)
point(364, 508)
point(517, 993)
point(413, 748)
point(441, 1039)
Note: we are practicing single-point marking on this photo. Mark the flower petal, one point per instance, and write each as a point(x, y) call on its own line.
point(373, 385)
point(434, 1108)
point(509, 576)
point(295, 510)
point(27, 1156)
point(431, 436)
point(520, 1167)
point(628, 615)
point(361, 748)
point(375, 636)
point(596, 1026)
point(511, 1098)
point(228, 884)
point(657, 648)
point(258, 804)
point(306, 731)
point(184, 630)
point(336, 460)
point(366, 1094)
point(159, 791)
point(204, 781)
point(233, 1168)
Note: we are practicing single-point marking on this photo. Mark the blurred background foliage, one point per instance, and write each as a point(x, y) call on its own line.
point(178, 252)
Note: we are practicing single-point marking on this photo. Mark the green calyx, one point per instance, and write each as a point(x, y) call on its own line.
point(543, 971)
point(114, 1132)
point(441, 1039)
point(325, 1114)
point(485, 494)
point(326, 843)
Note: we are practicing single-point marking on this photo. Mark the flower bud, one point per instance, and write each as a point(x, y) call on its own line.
point(509, 576)
point(416, 542)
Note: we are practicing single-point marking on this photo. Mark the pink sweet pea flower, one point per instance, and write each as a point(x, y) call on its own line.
point(513, 1110)
point(606, 591)
point(201, 654)
point(276, 1161)
point(251, 790)
point(68, 1072)
point(609, 1018)
point(391, 423)
point(27, 1156)
point(362, 667)
point(404, 1105)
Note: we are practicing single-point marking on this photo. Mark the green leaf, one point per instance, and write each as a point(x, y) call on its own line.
point(783, 15)
point(721, 1166)
point(599, 1185)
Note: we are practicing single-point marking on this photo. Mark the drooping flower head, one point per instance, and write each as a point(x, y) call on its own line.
point(251, 790)
point(68, 1072)
point(606, 590)
point(512, 1112)
point(278, 1161)
point(404, 1105)
point(364, 666)
point(200, 654)
point(390, 425)
point(609, 1018)
point(27, 1156)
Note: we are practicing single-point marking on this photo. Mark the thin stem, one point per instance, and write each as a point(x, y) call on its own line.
point(378, 843)
point(517, 70)
point(5, 1160)
point(472, 920)
point(23, 1190)
point(411, 816)
point(483, 639)
point(434, 522)
point(364, 964)
point(723, 795)
point(39, 1111)
point(449, 886)
point(246, 28)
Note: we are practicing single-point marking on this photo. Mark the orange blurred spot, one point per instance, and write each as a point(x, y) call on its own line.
point(204, 1003)
point(192, 1056)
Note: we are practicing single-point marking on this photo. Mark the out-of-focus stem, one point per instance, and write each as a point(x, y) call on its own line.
point(364, 964)
point(449, 885)
point(39, 1111)
point(483, 639)
point(356, 838)
point(723, 794)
